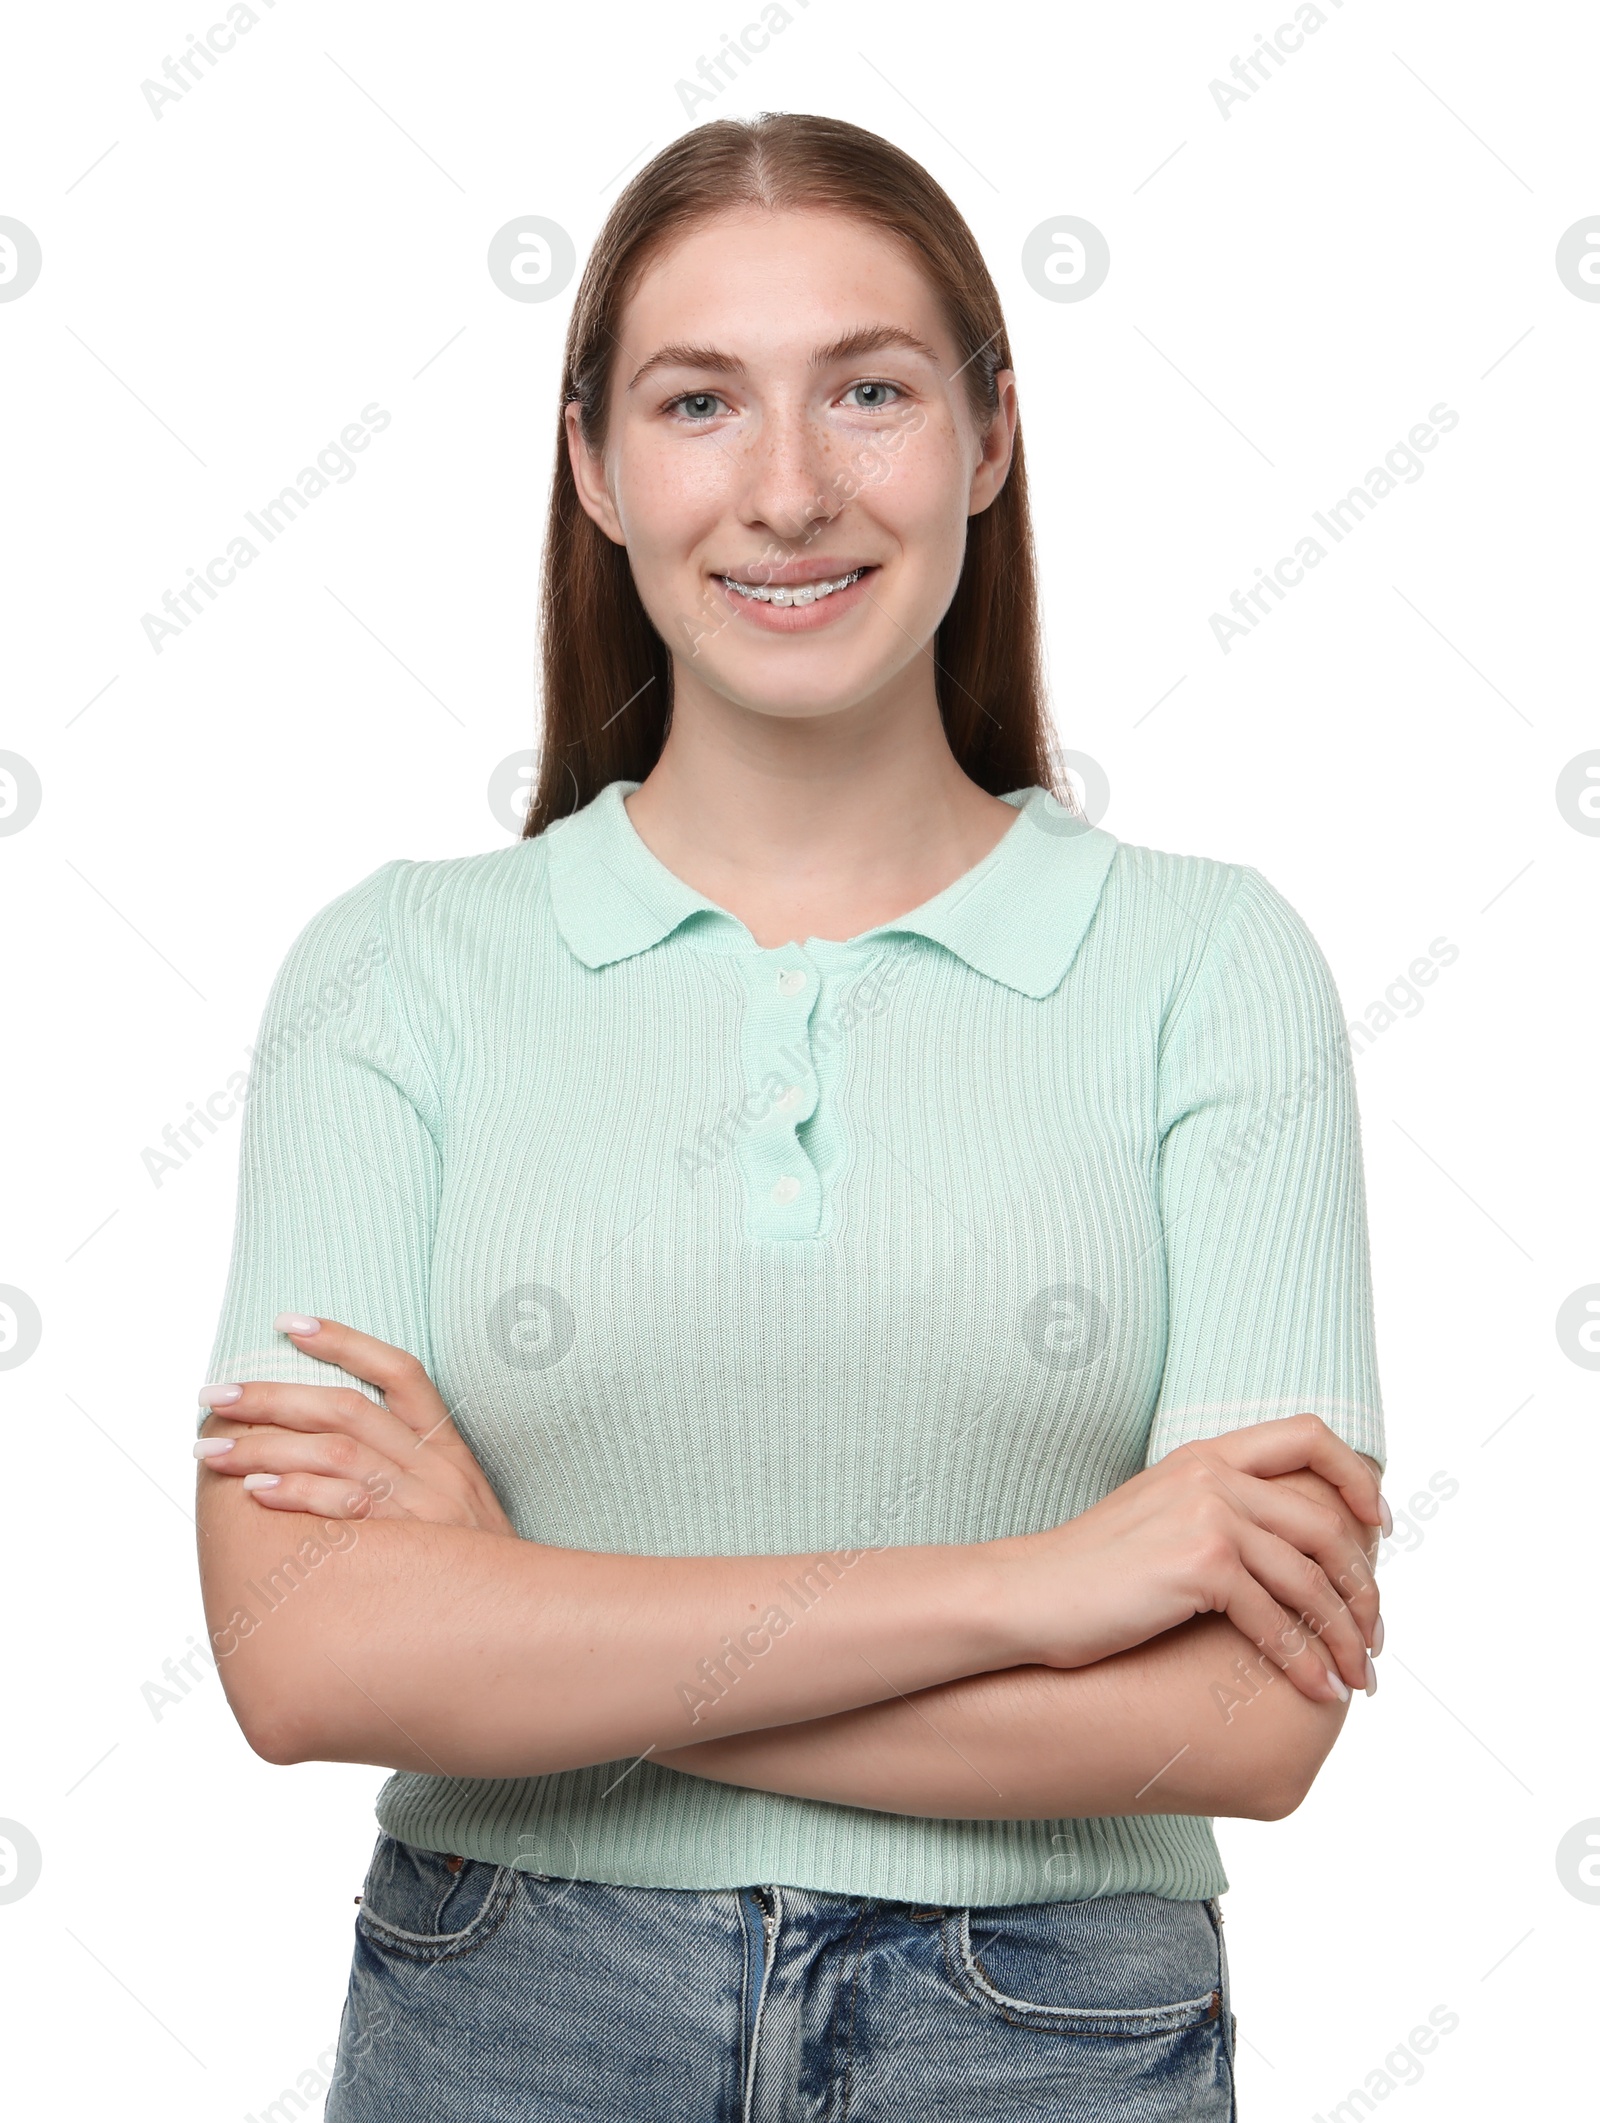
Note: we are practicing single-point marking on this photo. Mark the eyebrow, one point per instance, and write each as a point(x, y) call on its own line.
point(865, 339)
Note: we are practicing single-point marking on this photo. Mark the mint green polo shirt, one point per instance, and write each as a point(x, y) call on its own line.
point(936, 1234)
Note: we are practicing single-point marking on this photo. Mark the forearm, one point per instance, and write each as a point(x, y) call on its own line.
point(1192, 1722)
point(435, 1648)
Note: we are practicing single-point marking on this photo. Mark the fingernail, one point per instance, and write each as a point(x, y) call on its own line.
point(1377, 1636)
point(296, 1323)
point(1372, 1671)
point(268, 1481)
point(1385, 1515)
point(218, 1396)
point(212, 1448)
point(1341, 1694)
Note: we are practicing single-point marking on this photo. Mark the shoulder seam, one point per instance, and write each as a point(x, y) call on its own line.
point(391, 989)
point(1207, 952)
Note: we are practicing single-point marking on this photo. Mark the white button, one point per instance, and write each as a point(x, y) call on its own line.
point(785, 1192)
point(789, 1097)
point(791, 982)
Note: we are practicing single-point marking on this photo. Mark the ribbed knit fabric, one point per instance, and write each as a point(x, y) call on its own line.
point(932, 1236)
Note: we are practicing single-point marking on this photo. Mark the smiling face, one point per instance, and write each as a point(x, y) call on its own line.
point(790, 459)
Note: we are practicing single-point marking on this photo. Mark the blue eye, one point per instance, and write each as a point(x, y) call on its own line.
point(700, 405)
point(876, 404)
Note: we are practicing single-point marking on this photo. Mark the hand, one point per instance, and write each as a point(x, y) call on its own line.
point(340, 1455)
point(1366, 1538)
point(1208, 1530)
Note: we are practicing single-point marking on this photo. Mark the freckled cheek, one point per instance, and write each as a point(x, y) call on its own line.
point(921, 502)
point(666, 510)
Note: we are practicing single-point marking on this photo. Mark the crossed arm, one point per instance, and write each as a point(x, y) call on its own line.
point(1195, 1721)
point(436, 1644)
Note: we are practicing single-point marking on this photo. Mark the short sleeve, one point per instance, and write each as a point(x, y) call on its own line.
point(339, 1163)
point(1263, 1200)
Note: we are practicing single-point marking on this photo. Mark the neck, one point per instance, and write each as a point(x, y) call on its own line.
point(818, 824)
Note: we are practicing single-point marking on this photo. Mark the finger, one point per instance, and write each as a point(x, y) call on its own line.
point(329, 1453)
point(1300, 1586)
point(276, 1403)
point(442, 1462)
point(1291, 1441)
point(1322, 1532)
point(400, 1376)
point(1312, 1530)
point(323, 1496)
point(1283, 1639)
point(1349, 1558)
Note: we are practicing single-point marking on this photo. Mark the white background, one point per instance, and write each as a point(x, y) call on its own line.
point(1292, 287)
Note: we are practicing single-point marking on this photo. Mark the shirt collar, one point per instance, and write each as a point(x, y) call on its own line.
point(1017, 917)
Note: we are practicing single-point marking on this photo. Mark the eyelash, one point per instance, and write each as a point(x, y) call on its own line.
point(875, 383)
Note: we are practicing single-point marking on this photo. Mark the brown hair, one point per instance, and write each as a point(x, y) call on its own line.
point(607, 672)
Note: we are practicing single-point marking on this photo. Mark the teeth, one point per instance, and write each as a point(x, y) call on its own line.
point(802, 593)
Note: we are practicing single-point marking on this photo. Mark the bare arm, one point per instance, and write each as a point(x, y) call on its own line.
point(371, 1607)
point(1195, 1721)
point(449, 1649)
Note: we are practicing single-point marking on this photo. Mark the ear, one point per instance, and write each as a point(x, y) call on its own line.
point(588, 476)
point(996, 444)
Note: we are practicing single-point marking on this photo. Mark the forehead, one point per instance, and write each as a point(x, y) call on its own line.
point(764, 284)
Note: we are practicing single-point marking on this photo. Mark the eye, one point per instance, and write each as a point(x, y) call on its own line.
point(697, 405)
point(875, 404)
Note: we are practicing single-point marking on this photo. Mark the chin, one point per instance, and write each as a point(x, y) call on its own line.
point(797, 689)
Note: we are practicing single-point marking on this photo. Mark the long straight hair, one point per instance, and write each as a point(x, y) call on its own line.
point(607, 673)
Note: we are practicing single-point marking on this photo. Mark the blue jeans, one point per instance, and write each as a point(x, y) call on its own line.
point(485, 1994)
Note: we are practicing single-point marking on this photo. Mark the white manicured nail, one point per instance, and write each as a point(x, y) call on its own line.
point(261, 1481)
point(296, 1323)
point(212, 1448)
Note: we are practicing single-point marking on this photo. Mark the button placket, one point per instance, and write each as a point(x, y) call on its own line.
point(783, 1195)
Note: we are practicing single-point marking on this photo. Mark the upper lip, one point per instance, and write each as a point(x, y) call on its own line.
point(787, 574)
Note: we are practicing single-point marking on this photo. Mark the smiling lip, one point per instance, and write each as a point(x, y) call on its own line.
point(790, 574)
point(798, 618)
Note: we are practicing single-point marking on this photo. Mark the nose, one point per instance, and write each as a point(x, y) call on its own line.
point(791, 487)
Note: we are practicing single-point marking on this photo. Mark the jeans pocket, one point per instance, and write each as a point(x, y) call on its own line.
point(1119, 1967)
point(429, 1905)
